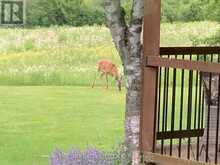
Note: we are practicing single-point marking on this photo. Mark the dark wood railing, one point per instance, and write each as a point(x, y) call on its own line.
point(189, 50)
point(188, 101)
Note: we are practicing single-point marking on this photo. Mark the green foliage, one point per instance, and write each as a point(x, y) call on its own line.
point(168, 14)
point(89, 12)
point(194, 11)
point(127, 6)
point(183, 10)
point(60, 12)
point(213, 10)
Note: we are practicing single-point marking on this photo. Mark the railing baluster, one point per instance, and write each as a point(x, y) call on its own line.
point(208, 115)
point(189, 113)
point(181, 108)
point(159, 99)
point(173, 108)
point(155, 111)
point(164, 105)
point(203, 108)
point(217, 121)
point(203, 101)
point(199, 116)
point(196, 96)
point(167, 97)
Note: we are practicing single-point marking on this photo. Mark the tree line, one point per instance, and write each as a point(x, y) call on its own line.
point(90, 12)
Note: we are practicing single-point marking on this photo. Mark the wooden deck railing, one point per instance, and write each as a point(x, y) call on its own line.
point(188, 101)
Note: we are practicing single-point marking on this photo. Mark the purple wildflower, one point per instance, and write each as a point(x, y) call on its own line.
point(57, 158)
point(91, 156)
point(73, 157)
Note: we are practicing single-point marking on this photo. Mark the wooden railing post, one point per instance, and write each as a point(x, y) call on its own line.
point(151, 38)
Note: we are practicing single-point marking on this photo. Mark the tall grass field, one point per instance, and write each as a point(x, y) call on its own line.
point(46, 99)
point(68, 55)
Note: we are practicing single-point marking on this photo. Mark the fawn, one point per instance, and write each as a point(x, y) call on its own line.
point(106, 67)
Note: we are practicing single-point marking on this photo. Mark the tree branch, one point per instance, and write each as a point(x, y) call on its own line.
point(135, 28)
point(137, 11)
point(115, 18)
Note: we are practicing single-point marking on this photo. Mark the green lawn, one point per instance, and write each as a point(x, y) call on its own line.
point(36, 120)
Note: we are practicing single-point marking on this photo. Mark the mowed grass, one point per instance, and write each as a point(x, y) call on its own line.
point(34, 121)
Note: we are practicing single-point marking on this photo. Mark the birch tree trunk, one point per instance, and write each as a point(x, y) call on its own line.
point(127, 39)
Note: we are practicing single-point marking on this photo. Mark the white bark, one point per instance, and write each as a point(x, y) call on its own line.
point(128, 43)
point(116, 23)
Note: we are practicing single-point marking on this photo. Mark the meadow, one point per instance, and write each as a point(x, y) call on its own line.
point(46, 99)
point(68, 55)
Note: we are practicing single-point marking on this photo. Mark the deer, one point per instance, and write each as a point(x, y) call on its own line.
point(107, 68)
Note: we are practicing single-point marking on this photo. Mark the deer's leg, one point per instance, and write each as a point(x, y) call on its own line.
point(106, 77)
point(93, 84)
point(102, 74)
